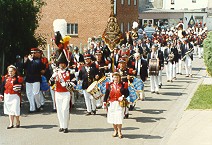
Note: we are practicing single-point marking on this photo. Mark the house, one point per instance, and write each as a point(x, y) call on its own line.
point(85, 18)
point(171, 12)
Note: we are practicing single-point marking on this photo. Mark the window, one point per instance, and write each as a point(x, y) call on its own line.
point(122, 2)
point(172, 2)
point(151, 1)
point(135, 2)
point(129, 2)
point(72, 29)
point(115, 9)
point(128, 26)
point(194, 1)
point(122, 27)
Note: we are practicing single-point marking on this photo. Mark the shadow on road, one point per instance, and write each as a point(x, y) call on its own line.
point(99, 129)
point(39, 126)
point(137, 136)
point(173, 93)
point(152, 111)
point(147, 119)
point(156, 99)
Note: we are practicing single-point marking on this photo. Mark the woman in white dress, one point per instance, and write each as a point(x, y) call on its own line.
point(10, 92)
point(116, 91)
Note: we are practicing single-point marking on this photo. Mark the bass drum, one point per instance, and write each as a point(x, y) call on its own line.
point(153, 67)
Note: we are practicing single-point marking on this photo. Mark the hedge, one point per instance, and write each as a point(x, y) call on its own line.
point(207, 45)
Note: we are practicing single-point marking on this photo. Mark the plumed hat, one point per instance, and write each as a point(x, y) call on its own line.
point(58, 38)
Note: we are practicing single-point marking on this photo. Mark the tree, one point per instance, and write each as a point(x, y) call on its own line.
point(18, 22)
point(207, 45)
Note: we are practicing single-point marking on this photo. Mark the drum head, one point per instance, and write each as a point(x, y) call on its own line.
point(92, 86)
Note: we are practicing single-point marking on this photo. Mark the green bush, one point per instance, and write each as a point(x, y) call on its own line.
point(207, 45)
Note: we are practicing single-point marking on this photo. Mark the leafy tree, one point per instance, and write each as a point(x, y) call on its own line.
point(18, 22)
point(207, 44)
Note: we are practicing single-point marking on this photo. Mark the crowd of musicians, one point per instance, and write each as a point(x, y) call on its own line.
point(71, 72)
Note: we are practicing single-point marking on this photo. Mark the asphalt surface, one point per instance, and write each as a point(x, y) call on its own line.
point(152, 122)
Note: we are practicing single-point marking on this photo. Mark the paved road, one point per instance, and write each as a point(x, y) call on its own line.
point(151, 123)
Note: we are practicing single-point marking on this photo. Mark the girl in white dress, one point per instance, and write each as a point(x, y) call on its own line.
point(10, 92)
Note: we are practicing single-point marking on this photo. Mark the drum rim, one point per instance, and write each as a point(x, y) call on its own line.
point(89, 87)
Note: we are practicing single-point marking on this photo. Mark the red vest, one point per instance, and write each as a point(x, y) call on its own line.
point(10, 82)
point(59, 87)
point(115, 92)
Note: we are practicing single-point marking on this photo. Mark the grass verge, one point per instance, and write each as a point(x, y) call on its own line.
point(202, 98)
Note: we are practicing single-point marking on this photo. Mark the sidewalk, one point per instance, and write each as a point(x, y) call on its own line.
point(195, 126)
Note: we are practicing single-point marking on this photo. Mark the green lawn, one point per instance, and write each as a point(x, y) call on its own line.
point(202, 98)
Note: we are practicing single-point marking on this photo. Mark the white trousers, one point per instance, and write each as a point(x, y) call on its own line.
point(174, 70)
point(200, 51)
point(195, 50)
point(169, 71)
point(154, 83)
point(32, 91)
point(179, 66)
point(188, 65)
point(90, 102)
point(160, 77)
point(73, 97)
point(53, 98)
point(42, 99)
point(62, 100)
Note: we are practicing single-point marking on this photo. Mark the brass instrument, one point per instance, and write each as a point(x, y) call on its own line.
point(171, 56)
point(187, 53)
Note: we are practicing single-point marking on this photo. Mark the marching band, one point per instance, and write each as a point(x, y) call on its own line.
point(106, 77)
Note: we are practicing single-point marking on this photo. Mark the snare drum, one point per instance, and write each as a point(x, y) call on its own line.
point(153, 67)
point(94, 90)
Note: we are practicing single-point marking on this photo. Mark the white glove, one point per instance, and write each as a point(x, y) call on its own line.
point(104, 105)
point(30, 57)
point(1, 97)
point(54, 74)
point(121, 98)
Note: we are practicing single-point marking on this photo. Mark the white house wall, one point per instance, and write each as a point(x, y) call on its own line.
point(185, 4)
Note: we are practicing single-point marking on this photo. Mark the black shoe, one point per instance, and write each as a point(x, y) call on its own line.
point(159, 86)
point(131, 107)
point(31, 112)
point(94, 112)
point(65, 130)
point(88, 113)
point(61, 130)
point(157, 92)
point(38, 109)
point(9, 127)
point(99, 107)
point(126, 116)
point(153, 92)
point(54, 110)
